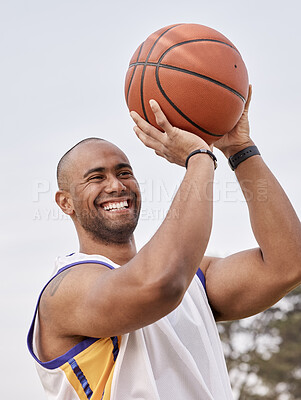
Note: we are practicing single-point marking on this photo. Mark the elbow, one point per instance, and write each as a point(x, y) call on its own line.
point(285, 267)
point(164, 280)
point(172, 290)
point(284, 278)
point(292, 262)
point(166, 292)
point(291, 270)
point(293, 276)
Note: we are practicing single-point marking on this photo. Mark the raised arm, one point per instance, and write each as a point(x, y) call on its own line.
point(250, 281)
point(90, 300)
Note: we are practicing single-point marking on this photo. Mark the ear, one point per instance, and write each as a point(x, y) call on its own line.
point(64, 201)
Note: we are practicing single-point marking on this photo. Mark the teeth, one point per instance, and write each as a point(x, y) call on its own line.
point(118, 206)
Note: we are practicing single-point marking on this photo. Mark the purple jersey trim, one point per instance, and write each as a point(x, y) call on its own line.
point(78, 263)
point(81, 377)
point(201, 277)
point(78, 348)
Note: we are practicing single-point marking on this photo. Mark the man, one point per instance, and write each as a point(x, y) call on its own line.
point(117, 324)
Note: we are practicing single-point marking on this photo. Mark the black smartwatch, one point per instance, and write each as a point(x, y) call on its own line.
point(242, 155)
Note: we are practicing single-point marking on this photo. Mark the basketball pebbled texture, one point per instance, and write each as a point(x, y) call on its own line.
point(196, 75)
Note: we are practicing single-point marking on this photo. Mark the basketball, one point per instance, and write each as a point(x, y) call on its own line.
point(197, 76)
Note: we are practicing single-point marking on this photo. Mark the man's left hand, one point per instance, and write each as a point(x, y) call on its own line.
point(239, 137)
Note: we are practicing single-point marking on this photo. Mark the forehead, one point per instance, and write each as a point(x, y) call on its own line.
point(98, 154)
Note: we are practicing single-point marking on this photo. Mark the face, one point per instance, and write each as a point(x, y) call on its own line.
point(105, 193)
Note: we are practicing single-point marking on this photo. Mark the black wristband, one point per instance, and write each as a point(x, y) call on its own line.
point(242, 155)
point(202, 151)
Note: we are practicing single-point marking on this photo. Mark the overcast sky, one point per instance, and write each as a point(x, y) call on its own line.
point(62, 68)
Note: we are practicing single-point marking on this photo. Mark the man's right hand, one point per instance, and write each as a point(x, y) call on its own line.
point(173, 144)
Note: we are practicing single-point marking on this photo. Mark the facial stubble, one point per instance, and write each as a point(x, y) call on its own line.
point(107, 230)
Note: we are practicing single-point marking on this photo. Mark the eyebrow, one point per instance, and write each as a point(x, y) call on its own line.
point(103, 169)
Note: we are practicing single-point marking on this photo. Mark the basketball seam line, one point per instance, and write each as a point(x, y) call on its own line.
point(143, 71)
point(181, 112)
point(205, 40)
point(186, 71)
point(200, 40)
point(127, 95)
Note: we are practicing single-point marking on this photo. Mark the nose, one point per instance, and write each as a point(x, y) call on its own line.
point(114, 185)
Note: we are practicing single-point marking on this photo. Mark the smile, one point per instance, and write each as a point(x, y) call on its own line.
point(116, 206)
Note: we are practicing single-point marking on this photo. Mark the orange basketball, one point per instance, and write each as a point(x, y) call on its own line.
point(196, 75)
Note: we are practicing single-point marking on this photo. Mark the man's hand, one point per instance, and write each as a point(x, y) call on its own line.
point(239, 137)
point(173, 144)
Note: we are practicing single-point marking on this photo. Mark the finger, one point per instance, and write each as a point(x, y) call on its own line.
point(159, 153)
point(161, 119)
point(136, 117)
point(147, 128)
point(147, 140)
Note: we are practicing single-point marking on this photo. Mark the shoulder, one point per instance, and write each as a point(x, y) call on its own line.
point(74, 275)
point(61, 304)
point(75, 269)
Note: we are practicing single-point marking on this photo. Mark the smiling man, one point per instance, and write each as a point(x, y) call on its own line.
point(110, 215)
point(114, 323)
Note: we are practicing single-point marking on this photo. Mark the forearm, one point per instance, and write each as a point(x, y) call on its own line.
point(178, 246)
point(274, 222)
point(250, 281)
point(172, 256)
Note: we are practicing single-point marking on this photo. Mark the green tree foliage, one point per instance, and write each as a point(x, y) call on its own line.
point(263, 353)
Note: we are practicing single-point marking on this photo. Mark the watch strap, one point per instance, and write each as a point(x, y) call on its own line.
point(202, 151)
point(242, 155)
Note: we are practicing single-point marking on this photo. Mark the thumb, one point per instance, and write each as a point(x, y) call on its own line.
point(248, 99)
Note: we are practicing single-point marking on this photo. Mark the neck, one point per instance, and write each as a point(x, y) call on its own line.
point(119, 253)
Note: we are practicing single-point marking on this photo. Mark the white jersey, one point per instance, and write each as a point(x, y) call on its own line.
point(178, 357)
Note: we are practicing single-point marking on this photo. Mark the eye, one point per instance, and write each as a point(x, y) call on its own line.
point(96, 177)
point(125, 174)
